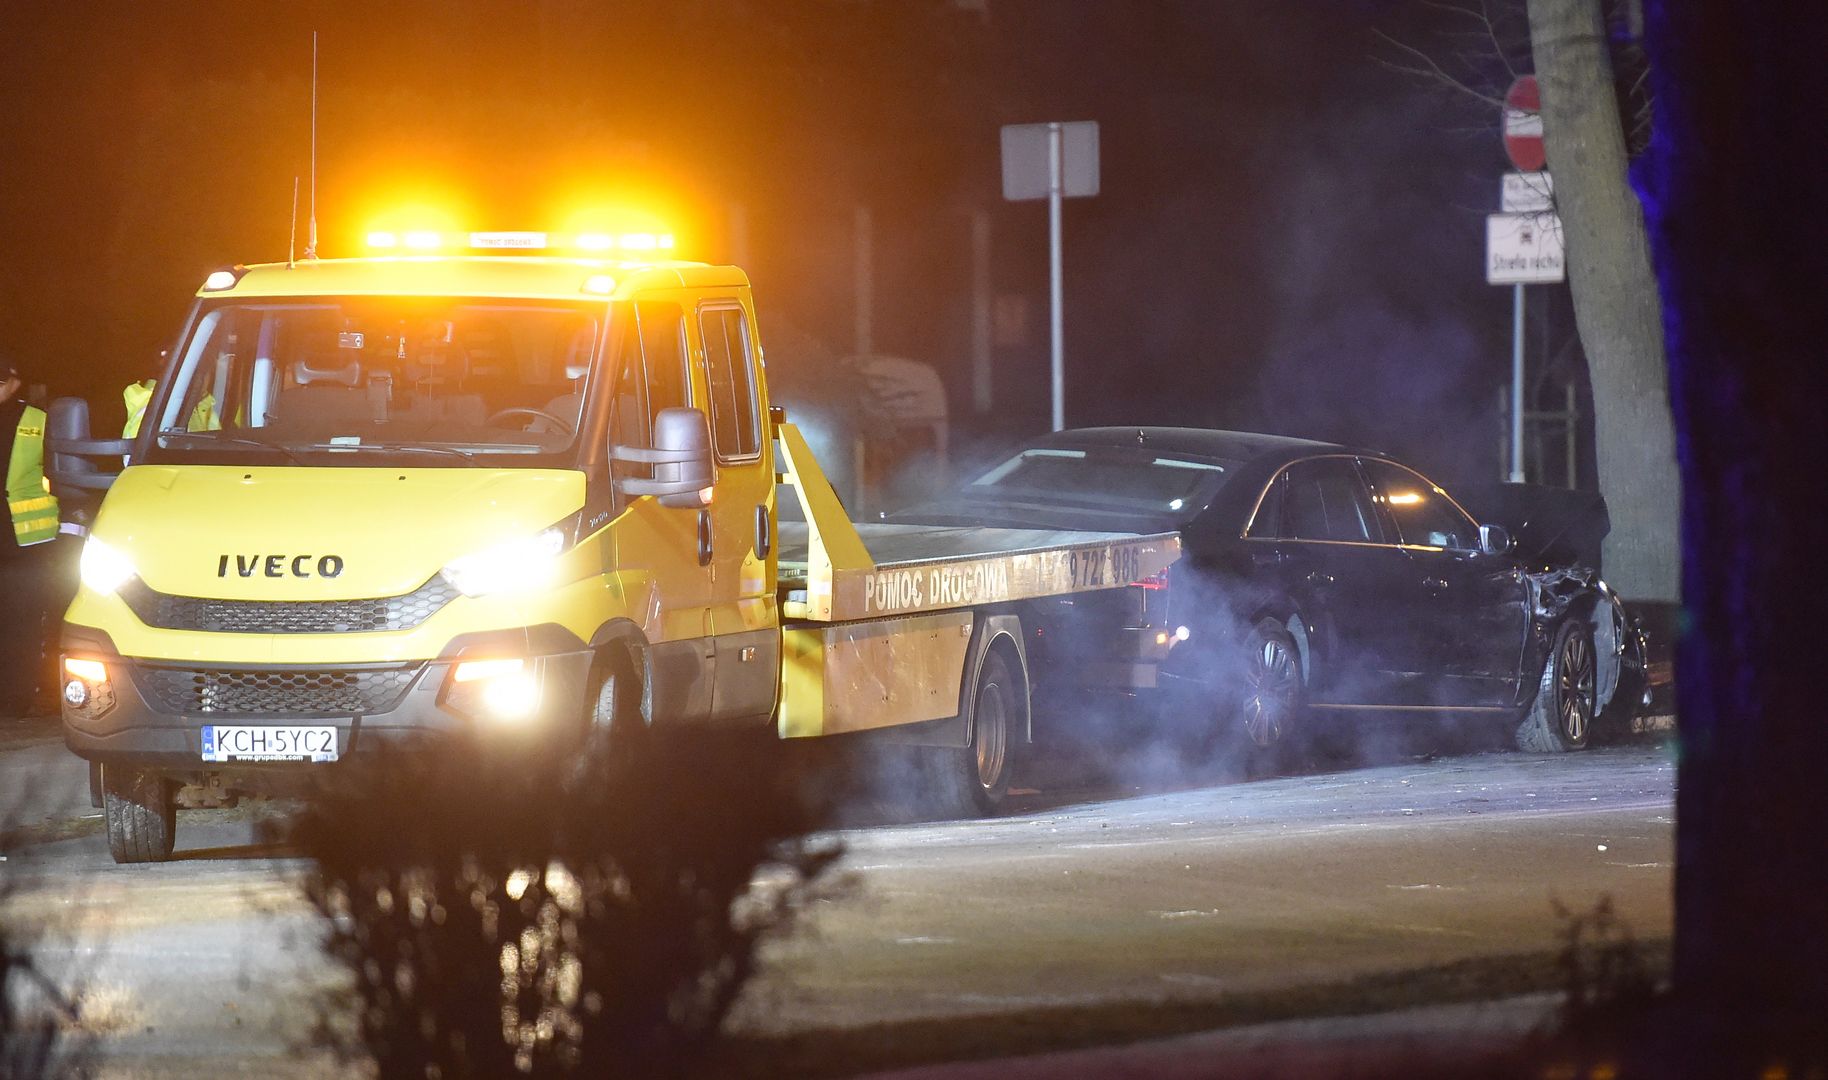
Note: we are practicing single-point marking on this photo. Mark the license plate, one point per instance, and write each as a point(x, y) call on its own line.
point(283, 742)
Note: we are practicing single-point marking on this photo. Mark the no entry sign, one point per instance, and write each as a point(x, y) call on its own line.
point(1523, 125)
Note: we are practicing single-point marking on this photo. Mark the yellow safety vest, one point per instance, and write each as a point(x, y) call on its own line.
point(28, 494)
point(136, 396)
point(202, 418)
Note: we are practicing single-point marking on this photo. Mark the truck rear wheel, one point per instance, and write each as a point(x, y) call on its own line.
point(984, 767)
point(142, 819)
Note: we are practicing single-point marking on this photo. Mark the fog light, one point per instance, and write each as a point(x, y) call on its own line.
point(1161, 638)
point(1181, 633)
point(484, 670)
point(501, 689)
point(511, 697)
point(76, 692)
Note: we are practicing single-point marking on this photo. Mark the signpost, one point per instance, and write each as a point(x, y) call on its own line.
point(1052, 161)
point(1523, 244)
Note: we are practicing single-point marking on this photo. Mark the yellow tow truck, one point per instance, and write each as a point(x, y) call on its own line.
point(520, 493)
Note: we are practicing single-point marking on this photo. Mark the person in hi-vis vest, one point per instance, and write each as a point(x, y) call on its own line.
point(136, 396)
point(27, 569)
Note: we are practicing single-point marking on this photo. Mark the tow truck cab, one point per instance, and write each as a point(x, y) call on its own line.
point(407, 513)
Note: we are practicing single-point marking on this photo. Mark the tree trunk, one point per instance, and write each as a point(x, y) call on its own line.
point(1732, 192)
point(1615, 297)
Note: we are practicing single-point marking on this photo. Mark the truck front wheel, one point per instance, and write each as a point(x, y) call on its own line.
point(142, 819)
point(617, 735)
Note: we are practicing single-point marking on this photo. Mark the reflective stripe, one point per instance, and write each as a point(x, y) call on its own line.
point(26, 506)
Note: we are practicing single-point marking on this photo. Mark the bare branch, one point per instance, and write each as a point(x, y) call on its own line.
point(1426, 67)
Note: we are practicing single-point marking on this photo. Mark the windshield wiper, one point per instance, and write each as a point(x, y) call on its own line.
point(219, 439)
point(403, 448)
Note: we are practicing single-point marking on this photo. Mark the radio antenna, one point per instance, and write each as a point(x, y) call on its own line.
point(292, 240)
point(311, 228)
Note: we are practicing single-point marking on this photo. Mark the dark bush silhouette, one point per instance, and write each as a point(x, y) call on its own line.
point(37, 1016)
point(502, 915)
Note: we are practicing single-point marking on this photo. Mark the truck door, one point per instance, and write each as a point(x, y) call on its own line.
point(744, 622)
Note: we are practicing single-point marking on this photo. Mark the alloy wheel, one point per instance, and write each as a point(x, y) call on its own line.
point(1574, 687)
point(1272, 683)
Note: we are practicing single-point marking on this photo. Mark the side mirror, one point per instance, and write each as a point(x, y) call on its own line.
point(684, 471)
point(1494, 540)
point(68, 448)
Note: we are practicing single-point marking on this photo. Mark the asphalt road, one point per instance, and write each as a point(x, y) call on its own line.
point(1088, 892)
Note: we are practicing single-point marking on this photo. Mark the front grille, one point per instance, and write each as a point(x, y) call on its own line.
point(404, 612)
point(274, 691)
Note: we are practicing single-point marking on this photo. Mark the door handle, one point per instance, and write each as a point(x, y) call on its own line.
point(764, 534)
point(1316, 577)
point(1434, 584)
point(704, 538)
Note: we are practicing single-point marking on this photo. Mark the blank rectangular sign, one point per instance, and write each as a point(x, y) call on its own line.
point(1025, 160)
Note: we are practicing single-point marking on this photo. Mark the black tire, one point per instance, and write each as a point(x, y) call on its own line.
point(998, 720)
point(1561, 717)
point(142, 819)
point(1272, 702)
point(617, 735)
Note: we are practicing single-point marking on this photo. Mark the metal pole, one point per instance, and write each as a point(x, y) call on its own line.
point(980, 310)
point(1570, 430)
point(1517, 384)
point(1056, 292)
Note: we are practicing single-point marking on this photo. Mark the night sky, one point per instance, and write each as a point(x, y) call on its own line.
point(1289, 236)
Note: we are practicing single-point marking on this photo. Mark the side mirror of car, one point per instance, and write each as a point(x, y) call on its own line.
point(684, 471)
point(1494, 540)
point(68, 448)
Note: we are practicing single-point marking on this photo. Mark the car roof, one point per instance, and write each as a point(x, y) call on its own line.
point(1236, 446)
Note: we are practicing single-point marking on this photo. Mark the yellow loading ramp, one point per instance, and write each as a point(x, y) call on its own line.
point(879, 616)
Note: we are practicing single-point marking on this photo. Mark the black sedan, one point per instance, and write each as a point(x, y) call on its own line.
point(1315, 578)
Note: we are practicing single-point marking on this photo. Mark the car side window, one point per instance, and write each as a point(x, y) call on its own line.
point(1268, 520)
point(1324, 500)
point(730, 365)
point(1423, 513)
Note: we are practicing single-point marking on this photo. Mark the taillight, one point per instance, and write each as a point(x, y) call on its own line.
point(1155, 583)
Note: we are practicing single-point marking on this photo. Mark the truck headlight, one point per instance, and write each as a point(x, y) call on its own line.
point(525, 565)
point(102, 568)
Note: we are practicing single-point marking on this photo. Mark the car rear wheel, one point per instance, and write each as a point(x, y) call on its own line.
point(142, 818)
point(1561, 717)
point(1274, 694)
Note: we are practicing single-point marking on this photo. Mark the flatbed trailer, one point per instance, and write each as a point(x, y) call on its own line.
point(885, 624)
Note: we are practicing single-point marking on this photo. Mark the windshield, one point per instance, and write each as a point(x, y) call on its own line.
point(355, 380)
point(1119, 479)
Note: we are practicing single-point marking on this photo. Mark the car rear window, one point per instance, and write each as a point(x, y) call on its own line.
point(1126, 480)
